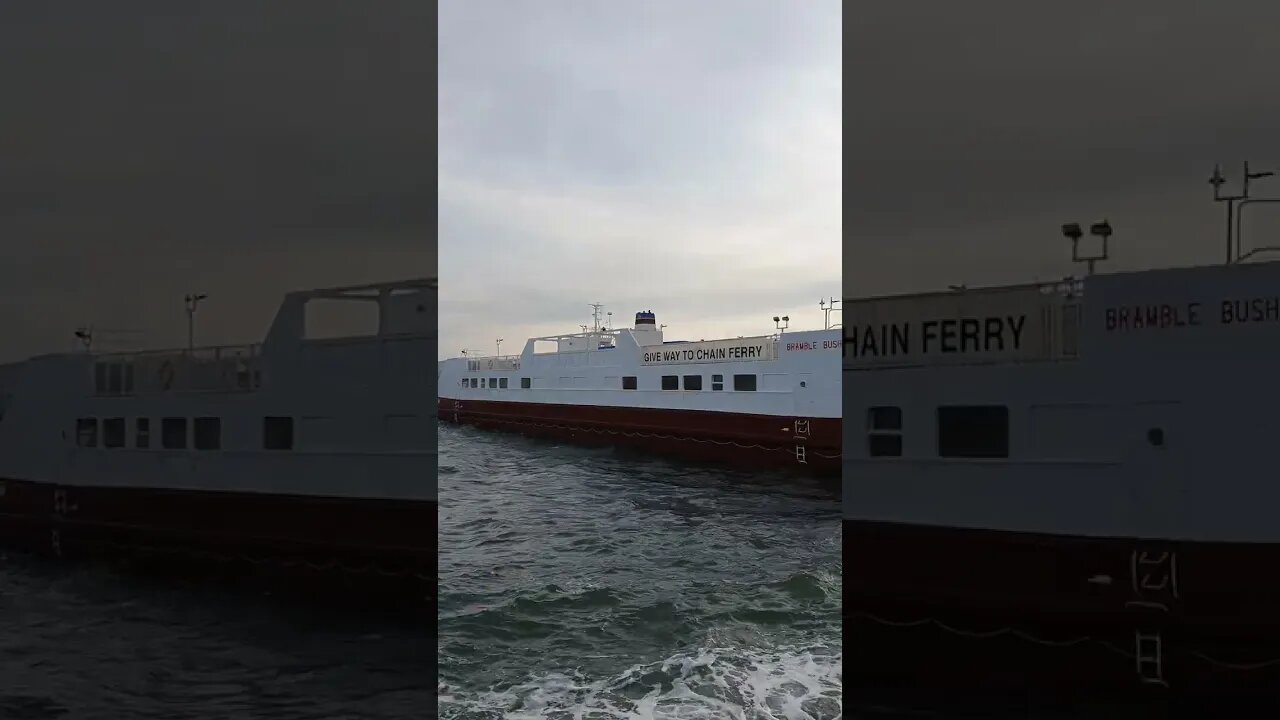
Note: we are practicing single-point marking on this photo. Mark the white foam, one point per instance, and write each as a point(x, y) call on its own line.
point(720, 683)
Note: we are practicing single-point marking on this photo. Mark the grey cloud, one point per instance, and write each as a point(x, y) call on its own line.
point(636, 154)
point(1010, 113)
point(152, 146)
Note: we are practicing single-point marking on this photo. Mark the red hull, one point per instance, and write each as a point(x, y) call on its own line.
point(1214, 606)
point(370, 546)
point(806, 444)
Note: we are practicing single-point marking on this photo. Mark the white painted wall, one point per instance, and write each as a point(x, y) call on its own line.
point(594, 378)
point(376, 394)
point(1080, 462)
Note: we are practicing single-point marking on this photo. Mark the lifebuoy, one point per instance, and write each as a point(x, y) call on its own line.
point(166, 375)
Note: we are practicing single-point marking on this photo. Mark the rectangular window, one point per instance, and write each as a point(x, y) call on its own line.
point(526, 383)
point(484, 383)
point(493, 383)
point(670, 382)
point(884, 432)
point(475, 382)
point(142, 433)
point(208, 433)
point(974, 431)
point(502, 383)
point(692, 382)
point(277, 433)
point(629, 382)
point(744, 383)
point(173, 433)
point(113, 432)
point(100, 377)
point(717, 382)
point(128, 379)
point(115, 381)
point(87, 432)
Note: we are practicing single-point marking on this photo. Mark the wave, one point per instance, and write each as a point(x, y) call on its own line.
point(795, 683)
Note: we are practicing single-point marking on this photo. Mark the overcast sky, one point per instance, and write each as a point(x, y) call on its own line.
point(974, 130)
point(241, 149)
point(670, 156)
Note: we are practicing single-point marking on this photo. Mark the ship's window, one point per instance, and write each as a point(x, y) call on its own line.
point(670, 382)
point(142, 433)
point(115, 381)
point(526, 383)
point(977, 431)
point(884, 418)
point(745, 383)
point(692, 382)
point(208, 433)
point(629, 382)
point(128, 379)
point(173, 433)
point(474, 382)
point(113, 432)
point(717, 382)
point(87, 432)
point(100, 377)
point(502, 383)
point(484, 383)
point(277, 433)
point(884, 432)
point(493, 383)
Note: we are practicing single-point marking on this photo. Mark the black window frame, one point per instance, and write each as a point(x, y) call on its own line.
point(884, 431)
point(695, 385)
point(629, 382)
point(717, 383)
point(275, 427)
point(87, 432)
point(206, 433)
point(114, 432)
point(526, 383)
point(168, 431)
point(670, 382)
point(975, 432)
point(739, 385)
point(502, 383)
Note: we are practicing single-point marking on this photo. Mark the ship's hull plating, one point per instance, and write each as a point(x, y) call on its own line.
point(810, 445)
point(988, 607)
point(369, 546)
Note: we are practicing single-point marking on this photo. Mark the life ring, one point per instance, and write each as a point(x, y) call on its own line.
point(166, 375)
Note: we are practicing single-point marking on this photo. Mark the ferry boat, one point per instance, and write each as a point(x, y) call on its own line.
point(763, 401)
point(296, 454)
point(1086, 467)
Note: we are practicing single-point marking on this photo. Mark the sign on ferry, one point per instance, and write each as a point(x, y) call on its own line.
point(737, 350)
point(976, 326)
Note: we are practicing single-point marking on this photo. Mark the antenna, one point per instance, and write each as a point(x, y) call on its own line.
point(85, 335)
point(1216, 180)
point(829, 306)
point(595, 317)
point(1073, 232)
point(192, 302)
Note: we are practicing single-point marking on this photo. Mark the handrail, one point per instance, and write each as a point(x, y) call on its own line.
point(217, 350)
